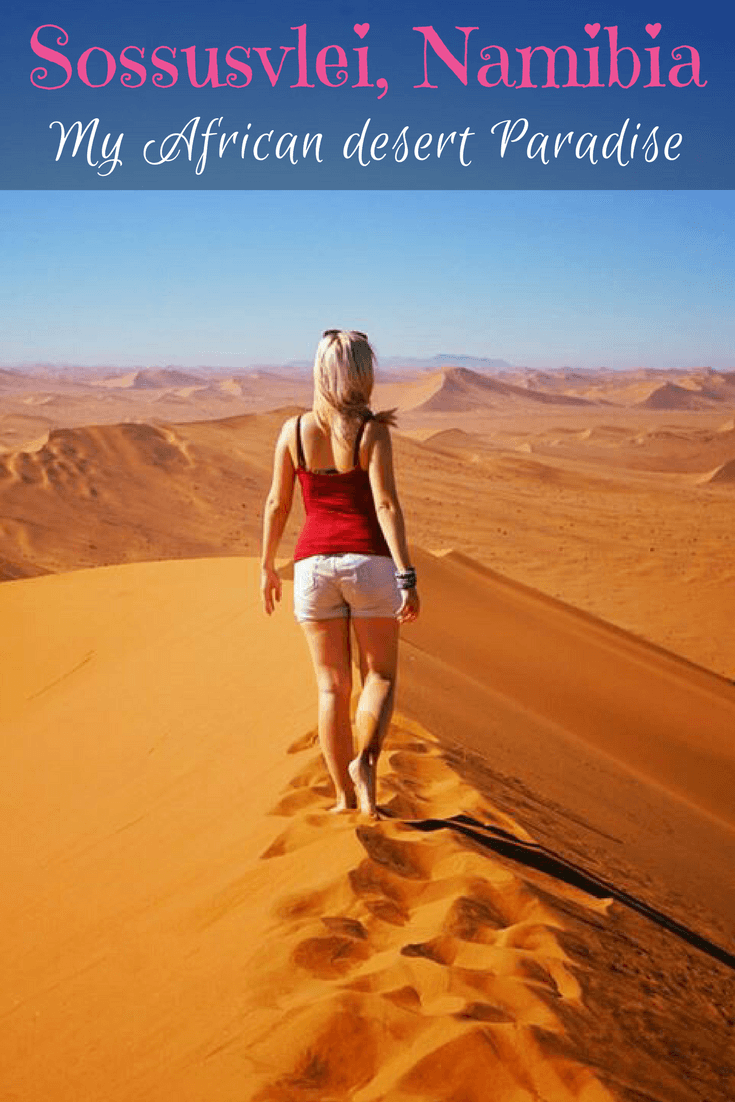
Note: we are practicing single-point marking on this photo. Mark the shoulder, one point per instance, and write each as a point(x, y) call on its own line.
point(376, 444)
point(290, 427)
point(287, 437)
point(375, 430)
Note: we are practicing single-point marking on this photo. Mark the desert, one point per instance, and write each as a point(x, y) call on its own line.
point(544, 910)
point(610, 490)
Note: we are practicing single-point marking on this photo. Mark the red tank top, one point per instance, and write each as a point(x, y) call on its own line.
point(340, 511)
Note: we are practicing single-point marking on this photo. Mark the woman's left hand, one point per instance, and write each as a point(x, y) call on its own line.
point(270, 587)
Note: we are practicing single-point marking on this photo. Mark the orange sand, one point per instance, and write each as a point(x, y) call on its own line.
point(183, 920)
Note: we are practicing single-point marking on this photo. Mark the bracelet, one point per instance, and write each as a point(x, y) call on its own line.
point(406, 579)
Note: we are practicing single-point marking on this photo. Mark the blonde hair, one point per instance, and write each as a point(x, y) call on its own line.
point(344, 378)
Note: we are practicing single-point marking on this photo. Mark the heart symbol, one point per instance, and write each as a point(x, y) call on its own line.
point(592, 29)
point(653, 29)
point(361, 29)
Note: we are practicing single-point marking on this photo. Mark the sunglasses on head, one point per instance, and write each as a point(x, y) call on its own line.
point(336, 332)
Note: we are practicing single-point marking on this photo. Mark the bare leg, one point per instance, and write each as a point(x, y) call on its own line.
point(329, 645)
point(377, 640)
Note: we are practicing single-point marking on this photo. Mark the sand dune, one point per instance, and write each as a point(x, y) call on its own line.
point(69, 401)
point(151, 379)
point(605, 433)
point(187, 922)
point(673, 396)
point(24, 426)
point(258, 384)
point(663, 448)
point(722, 474)
point(111, 493)
point(456, 440)
point(556, 668)
point(546, 908)
point(72, 399)
point(656, 389)
point(457, 389)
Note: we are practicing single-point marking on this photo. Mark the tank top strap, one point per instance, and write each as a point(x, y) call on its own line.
point(299, 445)
point(358, 439)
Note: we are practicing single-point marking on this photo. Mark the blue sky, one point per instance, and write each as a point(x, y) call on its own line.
point(230, 278)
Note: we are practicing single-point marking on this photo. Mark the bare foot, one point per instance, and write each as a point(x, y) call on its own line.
point(344, 803)
point(362, 772)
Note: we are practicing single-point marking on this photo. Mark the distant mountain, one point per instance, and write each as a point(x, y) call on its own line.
point(425, 363)
point(447, 359)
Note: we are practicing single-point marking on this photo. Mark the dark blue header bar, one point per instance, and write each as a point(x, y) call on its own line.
point(368, 95)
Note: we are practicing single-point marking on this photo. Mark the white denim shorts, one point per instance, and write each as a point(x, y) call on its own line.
point(327, 587)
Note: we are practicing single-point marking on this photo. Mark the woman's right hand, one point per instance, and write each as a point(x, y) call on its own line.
point(270, 587)
point(410, 606)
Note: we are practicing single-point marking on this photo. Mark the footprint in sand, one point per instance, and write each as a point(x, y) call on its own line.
point(417, 954)
point(304, 742)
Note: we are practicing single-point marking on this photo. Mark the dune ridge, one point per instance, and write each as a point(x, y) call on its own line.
point(451, 960)
point(556, 668)
point(678, 396)
point(459, 389)
point(725, 473)
point(133, 491)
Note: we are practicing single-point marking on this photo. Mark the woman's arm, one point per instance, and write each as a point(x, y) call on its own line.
point(385, 495)
point(275, 514)
point(388, 508)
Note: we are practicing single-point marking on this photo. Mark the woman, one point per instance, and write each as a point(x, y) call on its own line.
point(351, 562)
